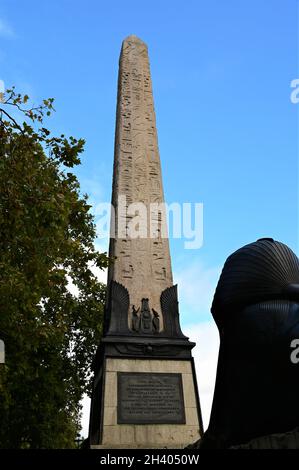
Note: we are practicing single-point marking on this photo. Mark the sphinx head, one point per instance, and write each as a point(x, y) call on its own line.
point(256, 309)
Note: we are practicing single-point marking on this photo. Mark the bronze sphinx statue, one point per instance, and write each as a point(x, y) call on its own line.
point(256, 309)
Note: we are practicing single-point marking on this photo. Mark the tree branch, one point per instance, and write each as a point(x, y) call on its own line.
point(12, 119)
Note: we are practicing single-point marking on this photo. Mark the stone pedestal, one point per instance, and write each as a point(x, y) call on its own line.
point(130, 435)
point(161, 410)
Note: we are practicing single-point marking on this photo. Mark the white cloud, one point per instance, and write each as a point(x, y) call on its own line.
point(205, 354)
point(71, 287)
point(196, 286)
point(6, 30)
point(85, 415)
point(100, 274)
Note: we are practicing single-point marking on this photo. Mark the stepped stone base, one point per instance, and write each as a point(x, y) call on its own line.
point(145, 436)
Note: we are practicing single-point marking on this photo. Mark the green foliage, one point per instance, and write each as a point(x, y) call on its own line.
point(46, 238)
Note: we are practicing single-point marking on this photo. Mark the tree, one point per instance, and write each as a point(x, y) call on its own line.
point(46, 238)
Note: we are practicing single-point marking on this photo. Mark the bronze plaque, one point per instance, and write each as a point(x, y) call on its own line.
point(150, 398)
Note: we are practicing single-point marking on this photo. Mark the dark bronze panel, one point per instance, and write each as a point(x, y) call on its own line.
point(150, 398)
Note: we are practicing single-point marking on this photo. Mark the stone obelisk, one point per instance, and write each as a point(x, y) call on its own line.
point(145, 392)
point(142, 264)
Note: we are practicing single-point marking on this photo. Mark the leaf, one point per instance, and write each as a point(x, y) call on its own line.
point(46, 234)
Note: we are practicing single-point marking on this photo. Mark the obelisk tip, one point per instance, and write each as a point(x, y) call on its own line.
point(132, 39)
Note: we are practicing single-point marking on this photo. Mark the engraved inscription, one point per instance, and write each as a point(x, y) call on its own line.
point(150, 398)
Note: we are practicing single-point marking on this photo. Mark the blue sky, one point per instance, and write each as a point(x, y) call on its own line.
point(227, 129)
point(221, 75)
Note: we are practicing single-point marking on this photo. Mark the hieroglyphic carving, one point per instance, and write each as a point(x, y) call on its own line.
point(141, 265)
point(145, 321)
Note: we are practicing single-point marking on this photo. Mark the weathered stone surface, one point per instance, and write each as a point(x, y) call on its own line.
point(142, 265)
